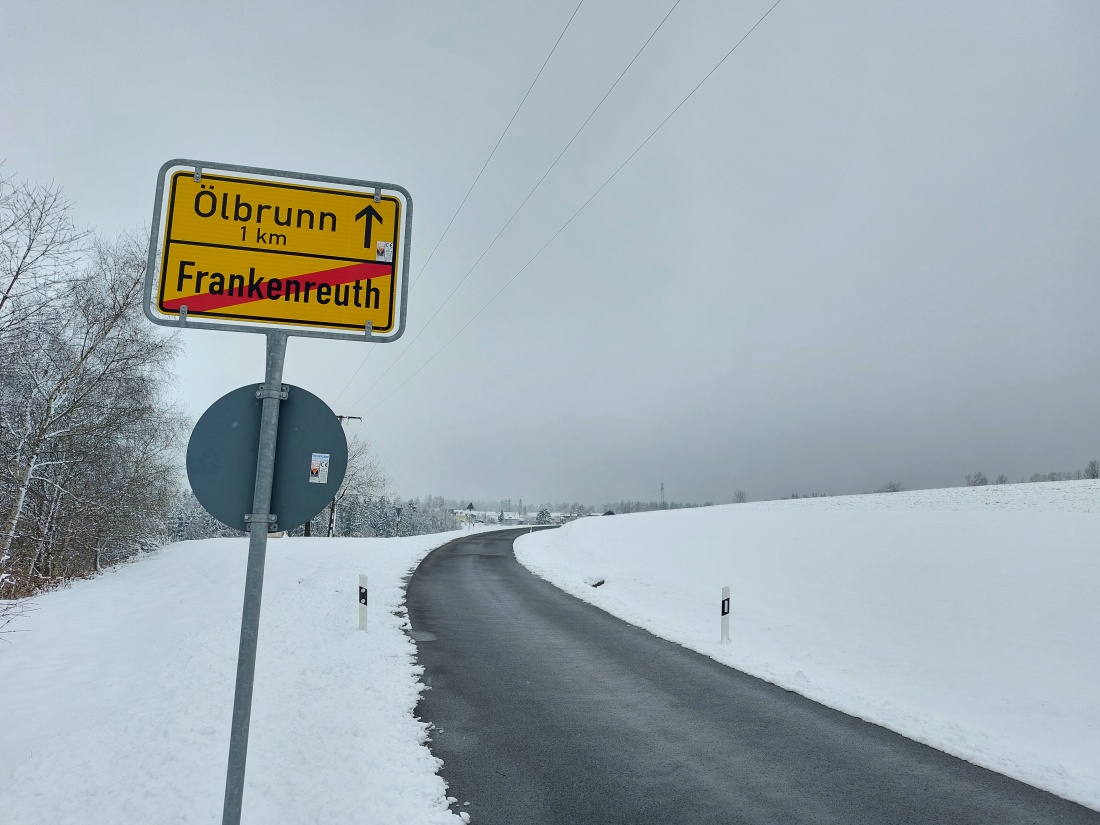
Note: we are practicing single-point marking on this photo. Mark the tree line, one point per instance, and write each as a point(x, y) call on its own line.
point(362, 506)
point(90, 441)
point(1091, 471)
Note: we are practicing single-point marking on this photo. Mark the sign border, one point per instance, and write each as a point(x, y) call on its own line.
point(191, 322)
point(170, 185)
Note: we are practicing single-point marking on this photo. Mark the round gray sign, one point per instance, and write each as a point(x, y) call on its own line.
point(311, 457)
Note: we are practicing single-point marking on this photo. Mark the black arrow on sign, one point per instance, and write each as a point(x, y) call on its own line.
point(371, 214)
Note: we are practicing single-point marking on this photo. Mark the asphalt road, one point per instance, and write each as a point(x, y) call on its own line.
point(548, 710)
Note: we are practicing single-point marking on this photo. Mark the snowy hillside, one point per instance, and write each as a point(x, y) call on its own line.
point(116, 695)
point(962, 618)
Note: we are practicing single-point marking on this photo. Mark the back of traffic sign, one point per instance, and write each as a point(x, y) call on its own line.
point(311, 457)
point(242, 249)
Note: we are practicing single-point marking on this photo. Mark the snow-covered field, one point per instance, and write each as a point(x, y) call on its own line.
point(116, 696)
point(966, 619)
point(963, 618)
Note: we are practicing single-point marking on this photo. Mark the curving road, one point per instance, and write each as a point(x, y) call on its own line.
point(548, 710)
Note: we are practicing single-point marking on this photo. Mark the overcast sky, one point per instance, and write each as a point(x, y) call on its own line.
point(865, 250)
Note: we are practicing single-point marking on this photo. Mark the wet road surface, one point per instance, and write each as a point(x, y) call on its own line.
point(548, 710)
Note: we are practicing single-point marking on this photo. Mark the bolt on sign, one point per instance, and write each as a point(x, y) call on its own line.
point(237, 247)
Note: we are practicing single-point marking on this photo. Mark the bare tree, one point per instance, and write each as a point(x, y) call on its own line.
point(88, 441)
point(739, 497)
point(1093, 469)
point(39, 245)
point(364, 478)
point(10, 611)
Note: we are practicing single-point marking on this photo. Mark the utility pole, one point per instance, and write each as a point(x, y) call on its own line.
point(662, 494)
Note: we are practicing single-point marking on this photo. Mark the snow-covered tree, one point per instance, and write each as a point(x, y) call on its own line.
point(364, 478)
point(39, 246)
point(189, 520)
point(90, 444)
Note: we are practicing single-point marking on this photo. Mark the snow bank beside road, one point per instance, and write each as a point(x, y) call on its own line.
point(115, 700)
point(962, 618)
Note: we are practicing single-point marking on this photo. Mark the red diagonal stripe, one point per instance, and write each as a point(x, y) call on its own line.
point(204, 302)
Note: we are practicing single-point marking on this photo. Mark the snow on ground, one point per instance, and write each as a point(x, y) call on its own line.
point(116, 696)
point(962, 618)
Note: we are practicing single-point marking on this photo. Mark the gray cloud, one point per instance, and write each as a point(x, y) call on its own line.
point(864, 251)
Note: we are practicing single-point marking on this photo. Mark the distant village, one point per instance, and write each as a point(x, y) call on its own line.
point(469, 516)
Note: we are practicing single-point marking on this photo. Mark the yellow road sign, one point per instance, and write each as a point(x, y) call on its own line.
point(258, 247)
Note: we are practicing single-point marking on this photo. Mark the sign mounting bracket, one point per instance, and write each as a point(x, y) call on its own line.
point(263, 391)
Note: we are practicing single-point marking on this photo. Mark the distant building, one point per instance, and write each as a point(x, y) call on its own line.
point(469, 516)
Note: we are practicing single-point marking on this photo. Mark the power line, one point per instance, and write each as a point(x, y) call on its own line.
point(523, 203)
point(465, 197)
point(497, 145)
point(376, 444)
point(582, 206)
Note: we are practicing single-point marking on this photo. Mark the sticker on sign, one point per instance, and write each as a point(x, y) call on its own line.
point(318, 468)
point(238, 248)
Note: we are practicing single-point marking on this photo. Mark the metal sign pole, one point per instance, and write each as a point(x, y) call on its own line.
point(259, 522)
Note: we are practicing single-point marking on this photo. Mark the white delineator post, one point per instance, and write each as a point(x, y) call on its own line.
point(725, 614)
point(362, 602)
